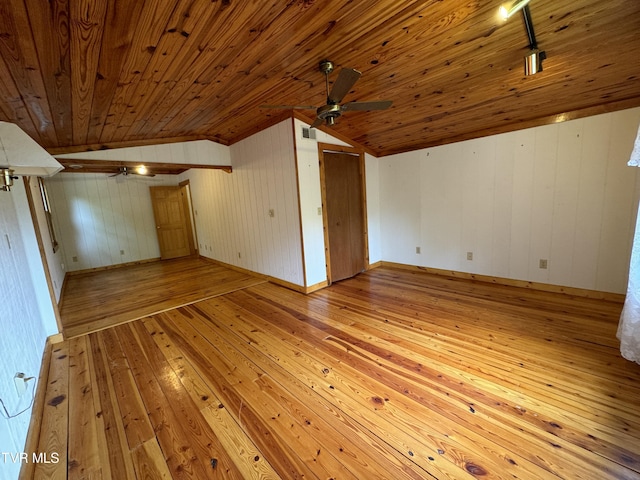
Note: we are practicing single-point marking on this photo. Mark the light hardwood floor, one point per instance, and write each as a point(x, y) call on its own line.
point(96, 300)
point(392, 374)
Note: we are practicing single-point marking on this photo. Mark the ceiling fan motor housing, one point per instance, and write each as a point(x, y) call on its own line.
point(329, 113)
point(326, 67)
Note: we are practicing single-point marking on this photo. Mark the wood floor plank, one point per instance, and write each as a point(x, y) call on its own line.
point(248, 458)
point(538, 370)
point(135, 421)
point(149, 462)
point(180, 457)
point(101, 436)
point(505, 359)
point(55, 415)
point(203, 439)
point(370, 458)
point(250, 404)
point(120, 461)
point(84, 451)
point(374, 403)
point(94, 301)
point(391, 374)
point(481, 363)
point(184, 436)
point(551, 440)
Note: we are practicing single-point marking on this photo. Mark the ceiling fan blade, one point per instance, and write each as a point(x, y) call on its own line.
point(142, 174)
point(375, 105)
point(319, 121)
point(296, 107)
point(345, 81)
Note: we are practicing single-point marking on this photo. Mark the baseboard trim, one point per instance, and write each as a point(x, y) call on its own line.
point(27, 470)
point(544, 287)
point(316, 287)
point(112, 267)
point(269, 278)
point(62, 290)
point(373, 265)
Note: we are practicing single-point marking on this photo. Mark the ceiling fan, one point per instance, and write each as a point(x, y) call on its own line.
point(140, 170)
point(328, 113)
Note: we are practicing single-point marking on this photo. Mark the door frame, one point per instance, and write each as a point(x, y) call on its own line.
point(327, 147)
point(190, 214)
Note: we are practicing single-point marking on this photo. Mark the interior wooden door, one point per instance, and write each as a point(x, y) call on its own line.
point(172, 226)
point(344, 214)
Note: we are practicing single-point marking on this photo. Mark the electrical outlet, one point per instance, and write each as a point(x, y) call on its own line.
point(74, 259)
point(417, 250)
point(469, 255)
point(239, 256)
point(272, 212)
point(319, 210)
point(543, 263)
point(20, 380)
point(121, 252)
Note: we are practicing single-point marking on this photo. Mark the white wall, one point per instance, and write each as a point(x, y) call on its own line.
point(559, 192)
point(97, 216)
point(232, 210)
point(311, 201)
point(372, 174)
point(26, 321)
point(200, 152)
point(55, 260)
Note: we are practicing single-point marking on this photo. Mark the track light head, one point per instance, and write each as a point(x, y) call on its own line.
point(533, 62)
point(508, 9)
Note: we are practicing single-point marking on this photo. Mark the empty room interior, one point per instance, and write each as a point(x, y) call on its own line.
point(303, 239)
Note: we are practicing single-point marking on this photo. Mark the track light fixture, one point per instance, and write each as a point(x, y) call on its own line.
point(533, 60)
point(6, 179)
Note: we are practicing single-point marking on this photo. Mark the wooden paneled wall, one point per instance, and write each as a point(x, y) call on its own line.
point(24, 317)
point(54, 259)
point(561, 192)
point(311, 200)
point(97, 216)
point(203, 152)
point(232, 211)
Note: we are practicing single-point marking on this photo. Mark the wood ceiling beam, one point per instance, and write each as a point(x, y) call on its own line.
point(78, 165)
point(132, 143)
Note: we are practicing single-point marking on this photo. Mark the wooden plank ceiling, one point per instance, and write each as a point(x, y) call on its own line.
point(88, 74)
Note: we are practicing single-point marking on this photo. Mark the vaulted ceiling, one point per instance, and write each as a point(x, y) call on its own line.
point(88, 74)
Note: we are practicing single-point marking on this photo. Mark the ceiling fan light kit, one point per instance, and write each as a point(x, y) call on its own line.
point(327, 114)
point(140, 170)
